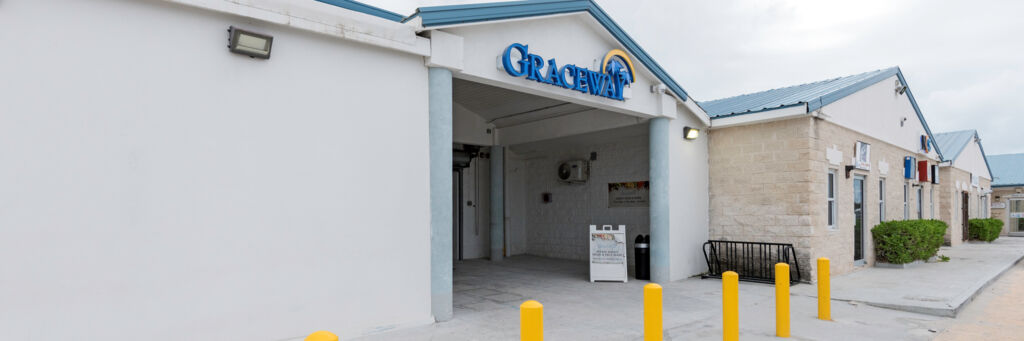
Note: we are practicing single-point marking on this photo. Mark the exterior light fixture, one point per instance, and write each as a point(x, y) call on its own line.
point(691, 133)
point(900, 88)
point(251, 44)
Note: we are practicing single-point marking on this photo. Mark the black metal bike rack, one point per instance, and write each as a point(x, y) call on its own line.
point(752, 261)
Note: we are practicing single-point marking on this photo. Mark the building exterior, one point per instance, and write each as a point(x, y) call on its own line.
point(818, 165)
point(1008, 192)
point(966, 186)
point(178, 190)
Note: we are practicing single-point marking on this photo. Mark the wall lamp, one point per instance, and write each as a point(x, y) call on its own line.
point(251, 44)
point(691, 133)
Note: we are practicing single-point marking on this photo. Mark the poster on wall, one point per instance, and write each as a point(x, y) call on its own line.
point(608, 253)
point(862, 156)
point(629, 194)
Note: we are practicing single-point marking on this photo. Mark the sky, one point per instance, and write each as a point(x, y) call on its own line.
point(963, 60)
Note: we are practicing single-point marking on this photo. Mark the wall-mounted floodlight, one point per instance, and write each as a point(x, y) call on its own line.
point(900, 88)
point(691, 133)
point(248, 43)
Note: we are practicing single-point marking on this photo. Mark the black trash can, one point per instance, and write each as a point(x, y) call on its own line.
point(642, 258)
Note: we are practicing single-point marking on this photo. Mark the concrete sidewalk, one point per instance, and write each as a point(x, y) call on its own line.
point(488, 295)
point(941, 288)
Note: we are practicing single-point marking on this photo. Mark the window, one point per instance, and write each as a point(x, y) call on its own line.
point(920, 202)
point(831, 199)
point(984, 206)
point(881, 200)
point(931, 201)
point(906, 205)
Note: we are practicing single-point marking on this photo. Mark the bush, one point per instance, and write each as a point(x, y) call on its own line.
point(985, 229)
point(904, 241)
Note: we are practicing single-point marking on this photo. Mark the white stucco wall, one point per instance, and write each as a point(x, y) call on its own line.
point(972, 160)
point(157, 186)
point(688, 197)
point(570, 39)
point(876, 111)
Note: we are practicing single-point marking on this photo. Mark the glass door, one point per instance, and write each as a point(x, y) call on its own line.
point(1016, 216)
point(858, 216)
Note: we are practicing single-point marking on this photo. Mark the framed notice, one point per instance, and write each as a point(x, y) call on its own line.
point(862, 156)
point(608, 253)
point(629, 194)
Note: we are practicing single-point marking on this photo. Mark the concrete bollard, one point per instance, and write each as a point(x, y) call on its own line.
point(531, 321)
point(652, 312)
point(730, 306)
point(322, 335)
point(824, 291)
point(782, 300)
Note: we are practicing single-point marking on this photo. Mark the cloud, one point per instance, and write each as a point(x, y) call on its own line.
point(961, 58)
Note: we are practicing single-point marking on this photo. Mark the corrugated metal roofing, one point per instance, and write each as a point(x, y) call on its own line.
point(461, 14)
point(364, 8)
point(954, 142)
point(814, 95)
point(1007, 169)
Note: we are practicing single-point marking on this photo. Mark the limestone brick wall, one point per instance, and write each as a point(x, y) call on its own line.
point(769, 184)
point(760, 183)
point(834, 148)
point(954, 182)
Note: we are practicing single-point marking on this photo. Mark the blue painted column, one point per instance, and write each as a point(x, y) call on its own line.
point(440, 117)
point(497, 203)
point(660, 228)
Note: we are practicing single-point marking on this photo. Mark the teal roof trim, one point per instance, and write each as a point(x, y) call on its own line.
point(462, 14)
point(811, 95)
point(364, 8)
point(1007, 170)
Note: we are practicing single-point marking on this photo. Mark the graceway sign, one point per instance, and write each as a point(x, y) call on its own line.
point(616, 72)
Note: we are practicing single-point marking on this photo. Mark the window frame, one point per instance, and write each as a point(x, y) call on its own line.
point(831, 181)
point(906, 201)
point(881, 200)
point(920, 203)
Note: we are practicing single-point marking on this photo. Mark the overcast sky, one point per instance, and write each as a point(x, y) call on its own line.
point(964, 60)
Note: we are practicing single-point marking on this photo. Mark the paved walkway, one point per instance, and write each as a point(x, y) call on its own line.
point(488, 295)
point(940, 289)
point(996, 314)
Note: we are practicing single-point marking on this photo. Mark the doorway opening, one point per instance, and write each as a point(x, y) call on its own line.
point(510, 155)
point(964, 216)
point(858, 220)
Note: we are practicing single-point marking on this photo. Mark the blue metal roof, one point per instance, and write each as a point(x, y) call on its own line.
point(812, 96)
point(954, 142)
point(461, 14)
point(364, 8)
point(1007, 170)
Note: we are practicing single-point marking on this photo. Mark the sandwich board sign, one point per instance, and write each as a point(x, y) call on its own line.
point(608, 253)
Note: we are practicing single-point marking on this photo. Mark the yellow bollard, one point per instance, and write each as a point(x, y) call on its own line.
point(652, 312)
point(531, 321)
point(782, 300)
point(730, 306)
point(322, 335)
point(824, 291)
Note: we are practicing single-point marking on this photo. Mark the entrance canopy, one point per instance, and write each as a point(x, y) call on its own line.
point(562, 41)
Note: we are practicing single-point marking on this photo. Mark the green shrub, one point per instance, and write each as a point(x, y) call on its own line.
point(904, 241)
point(985, 229)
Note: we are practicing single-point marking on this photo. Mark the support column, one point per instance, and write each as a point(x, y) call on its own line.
point(660, 228)
point(497, 203)
point(440, 117)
